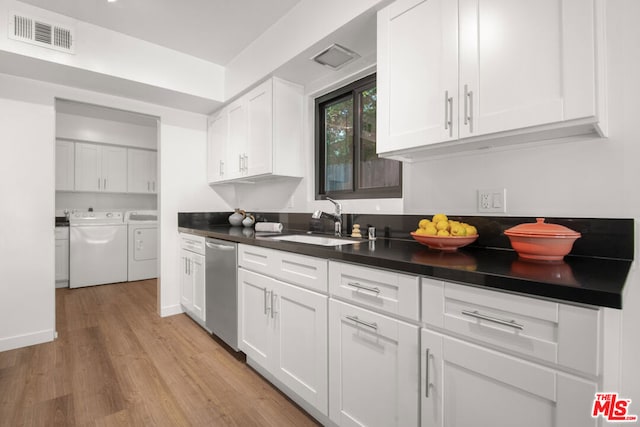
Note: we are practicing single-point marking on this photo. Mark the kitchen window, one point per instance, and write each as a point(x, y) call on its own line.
point(347, 166)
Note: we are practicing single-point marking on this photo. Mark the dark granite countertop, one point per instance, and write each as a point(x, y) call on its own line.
point(596, 281)
point(62, 221)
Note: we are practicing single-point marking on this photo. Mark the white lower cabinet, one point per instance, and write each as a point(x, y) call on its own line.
point(466, 385)
point(283, 329)
point(373, 368)
point(192, 284)
point(62, 257)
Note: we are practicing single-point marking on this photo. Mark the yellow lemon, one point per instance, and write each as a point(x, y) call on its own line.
point(458, 230)
point(423, 223)
point(443, 233)
point(471, 230)
point(421, 231)
point(430, 230)
point(439, 217)
point(442, 225)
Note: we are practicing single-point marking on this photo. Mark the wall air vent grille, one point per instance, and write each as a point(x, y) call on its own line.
point(41, 33)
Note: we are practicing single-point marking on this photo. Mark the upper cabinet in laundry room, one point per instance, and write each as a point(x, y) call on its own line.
point(460, 74)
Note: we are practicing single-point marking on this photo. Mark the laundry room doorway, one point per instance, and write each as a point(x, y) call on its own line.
point(107, 178)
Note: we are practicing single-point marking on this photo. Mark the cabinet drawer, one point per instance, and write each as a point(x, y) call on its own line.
point(192, 242)
point(62, 233)
point(302, 270)
point(561, 334)
point(382, 290)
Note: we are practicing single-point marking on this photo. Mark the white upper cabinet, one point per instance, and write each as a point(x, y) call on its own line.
point(141, 171)
point(216, 151)
point(65, 166)
point(100, 168)
point(456, 72)
point(259, 134)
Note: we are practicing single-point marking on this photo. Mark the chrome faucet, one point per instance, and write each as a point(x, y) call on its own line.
point(336, 216)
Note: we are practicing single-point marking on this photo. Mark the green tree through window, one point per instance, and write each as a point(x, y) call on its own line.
point(346, 160)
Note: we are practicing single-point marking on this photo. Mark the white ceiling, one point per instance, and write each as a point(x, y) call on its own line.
point(214, 30)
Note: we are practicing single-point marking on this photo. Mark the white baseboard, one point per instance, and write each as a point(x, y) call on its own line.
point(19, 341)
point(171, 310)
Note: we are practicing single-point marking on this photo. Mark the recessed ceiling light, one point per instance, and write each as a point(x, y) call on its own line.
point(335, 56)
point(111, 1)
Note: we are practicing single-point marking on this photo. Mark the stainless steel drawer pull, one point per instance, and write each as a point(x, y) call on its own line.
point(426, 382)
point(372, 325)
point(365, 288)
point(477, 315)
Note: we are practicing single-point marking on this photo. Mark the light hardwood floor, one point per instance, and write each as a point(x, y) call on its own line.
point(117, 363)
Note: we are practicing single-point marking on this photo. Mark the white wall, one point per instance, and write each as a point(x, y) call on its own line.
point(27, 179)
point(114, 54)
point(589, 178)
point(27, 183)
point(91, 129)
point(306, 23)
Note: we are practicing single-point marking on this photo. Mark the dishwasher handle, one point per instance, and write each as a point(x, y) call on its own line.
point(221, 247)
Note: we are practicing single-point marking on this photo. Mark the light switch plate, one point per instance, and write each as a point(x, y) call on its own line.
point(492, 200)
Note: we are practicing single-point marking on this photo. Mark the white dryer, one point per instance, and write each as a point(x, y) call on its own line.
point(142, 244)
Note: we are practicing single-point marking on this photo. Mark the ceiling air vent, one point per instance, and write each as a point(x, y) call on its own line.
point(41, 33)
point(335, 57)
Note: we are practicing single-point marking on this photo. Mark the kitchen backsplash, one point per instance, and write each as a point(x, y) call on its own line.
point(601, 237)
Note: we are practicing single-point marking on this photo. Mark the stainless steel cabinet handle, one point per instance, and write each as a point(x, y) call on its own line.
point(274, 297)
point(265, 301)
point(154, 186)
point(148, 186)
point(186, 269)
point(447, 123)
point(246, 163)
point(98, 183)
point(426, 382)
point(476, 314)
point(364, 287)
point(221, 169)
point(240, 162)
point(105, 183)
point(372, 325)
point(450, 116)
point(468, 107)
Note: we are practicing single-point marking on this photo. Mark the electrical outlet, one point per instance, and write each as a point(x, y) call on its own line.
point(492, 200)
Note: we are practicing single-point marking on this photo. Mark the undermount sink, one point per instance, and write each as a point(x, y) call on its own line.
point(314, 240)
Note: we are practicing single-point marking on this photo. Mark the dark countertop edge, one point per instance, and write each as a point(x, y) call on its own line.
point(515, 285)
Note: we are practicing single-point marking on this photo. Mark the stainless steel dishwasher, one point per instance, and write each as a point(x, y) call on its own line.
point(221, 290)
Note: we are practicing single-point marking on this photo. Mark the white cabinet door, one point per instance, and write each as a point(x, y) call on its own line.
point(198, 276)
point(300, 349)
point(141, 171)
point(100, 168)
point(258, 159)
point(469, 385)
point(451, 70)
point(373, 368)
point(525, 63)
point(186, 280)
point(417, 73)
point(217, 147)
point(62, 259)
point(114, 169)
point(237, 138)
point(88, 175)
point(283, 328)
point(254, 321)
point(65, 169)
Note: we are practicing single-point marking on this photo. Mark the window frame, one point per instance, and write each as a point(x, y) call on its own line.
point(354, 88)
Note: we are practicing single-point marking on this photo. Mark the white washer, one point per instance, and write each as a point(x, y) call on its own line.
point(97, 248)
point(143, 244)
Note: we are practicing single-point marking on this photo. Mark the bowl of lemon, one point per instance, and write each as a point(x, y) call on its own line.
point(444, 234)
